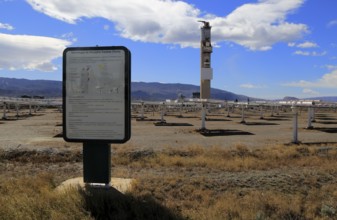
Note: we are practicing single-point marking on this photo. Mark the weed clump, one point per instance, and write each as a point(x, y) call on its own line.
point(35, 198)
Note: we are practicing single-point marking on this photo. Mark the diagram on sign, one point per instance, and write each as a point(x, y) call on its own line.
point(95, 75)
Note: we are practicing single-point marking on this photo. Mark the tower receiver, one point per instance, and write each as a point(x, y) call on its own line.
point(206, 23)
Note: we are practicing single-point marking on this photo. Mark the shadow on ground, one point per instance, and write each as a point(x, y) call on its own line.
point(260, 123)
point(20, 117)
point(182, 116)
point(171, 124)
point(276, 119)
point(327, 130)
point(60, 135)
point(147, 119)
point(222, 132)
point(216, 119)
point(108, 203)
point(327, 122)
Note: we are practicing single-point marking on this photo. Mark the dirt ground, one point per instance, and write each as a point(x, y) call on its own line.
point(42, 130)
point(33, 144)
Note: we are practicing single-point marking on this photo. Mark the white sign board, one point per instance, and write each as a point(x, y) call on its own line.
point(96, 94)
point(206, 73)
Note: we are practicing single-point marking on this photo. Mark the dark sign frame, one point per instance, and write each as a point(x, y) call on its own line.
point(127, 94)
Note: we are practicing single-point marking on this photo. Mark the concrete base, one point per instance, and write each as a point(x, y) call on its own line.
point(120, 184)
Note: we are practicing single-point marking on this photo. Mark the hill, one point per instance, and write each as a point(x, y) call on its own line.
point(325, 98)
point(19, 87)
point(161, 91)
point(140, 90)
point(322, 98)
point(152, 91)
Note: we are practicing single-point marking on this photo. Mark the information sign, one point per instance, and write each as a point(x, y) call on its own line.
point(96, 94)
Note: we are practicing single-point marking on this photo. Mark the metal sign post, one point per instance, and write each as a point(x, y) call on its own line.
point(96, 103)
point(97, 162)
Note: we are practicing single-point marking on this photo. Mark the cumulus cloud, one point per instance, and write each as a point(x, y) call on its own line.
point(6, 26)
point(259, 26)
point(69, 36)
point(310, 53)
point(30, 52)
point(252, 86)
point(328, 80)
point(332, 23)
point(106, 27)
point(255, 26)
point(331, 67)
point(310, 92)
point(306, 44)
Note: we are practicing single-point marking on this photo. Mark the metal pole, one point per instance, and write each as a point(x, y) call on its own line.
point(261, 112)
point(162, 113)
point(295, 124)
point(272, 111)
point(243, 115)
point(309, 118)
point(97, 162)
point(5, 109)
point(142, 111)
point(17, 110)
point(181, 110)
point(228, 110)
point(203, 117)
point(313, 115)
point(30, 108)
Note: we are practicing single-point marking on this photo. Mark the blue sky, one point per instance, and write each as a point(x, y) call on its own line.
point(262, 48)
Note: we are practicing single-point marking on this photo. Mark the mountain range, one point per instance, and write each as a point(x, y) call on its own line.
point(139, 90)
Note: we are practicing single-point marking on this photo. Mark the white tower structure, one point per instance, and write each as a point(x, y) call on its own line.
point(206, 72)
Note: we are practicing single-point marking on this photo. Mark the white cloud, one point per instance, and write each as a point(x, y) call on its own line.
point(30, 52)
point(252, 86)
point(291, 44)
point(307, 44)
point(328, 80)
point(106, 27)
point(332, 23)
point(331, 67)
point(303, 53)
point(6, 26)
point(310, 53)
point(310, 92)
point(258, 26)
point(255, 26)
point(69, 36)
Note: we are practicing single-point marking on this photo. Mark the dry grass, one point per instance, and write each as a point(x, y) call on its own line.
point(296, 182)
point(236, 159)
point(293, 182)
point(196, 201)
point(35, 198)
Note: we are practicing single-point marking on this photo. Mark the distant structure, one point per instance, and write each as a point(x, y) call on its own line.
point(206, 72)
point(196, 95)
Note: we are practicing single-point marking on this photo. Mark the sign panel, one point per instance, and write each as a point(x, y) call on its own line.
point(206, 73)
point(96, 94)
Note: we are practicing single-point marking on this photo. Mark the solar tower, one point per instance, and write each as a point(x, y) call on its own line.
point(206, 72)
